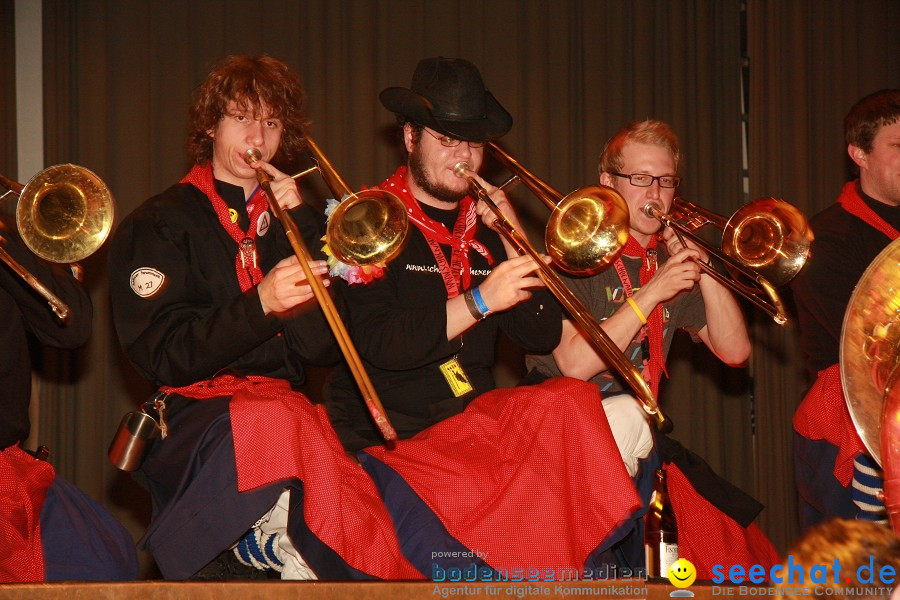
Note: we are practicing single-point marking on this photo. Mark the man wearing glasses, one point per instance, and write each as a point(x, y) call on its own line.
point(491, 479)
point(427, 328)
point(654, 288)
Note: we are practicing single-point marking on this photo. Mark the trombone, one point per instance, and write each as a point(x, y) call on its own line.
point(611, 215)
point(367, 227)
point(766, 242)
point(64, 214)
point(586, 229)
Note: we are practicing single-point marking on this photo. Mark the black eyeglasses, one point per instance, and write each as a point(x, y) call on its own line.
point(644, 180)
point(450, 142)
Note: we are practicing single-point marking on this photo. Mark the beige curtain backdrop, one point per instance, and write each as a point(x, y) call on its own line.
point(7, 90)
point(118, 76)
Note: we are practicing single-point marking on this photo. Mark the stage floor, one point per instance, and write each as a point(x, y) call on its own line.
point(382, 590)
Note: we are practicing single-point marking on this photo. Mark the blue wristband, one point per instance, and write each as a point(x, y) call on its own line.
point(479, 302)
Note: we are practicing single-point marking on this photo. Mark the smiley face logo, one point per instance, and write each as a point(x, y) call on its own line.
point(682, 573)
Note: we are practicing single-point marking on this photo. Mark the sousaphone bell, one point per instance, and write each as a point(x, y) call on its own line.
point(869, 356)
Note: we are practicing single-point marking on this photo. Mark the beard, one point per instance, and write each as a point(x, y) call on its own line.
point(435, 190)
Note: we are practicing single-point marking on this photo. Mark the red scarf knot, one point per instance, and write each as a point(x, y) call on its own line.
point(457, 275)
point(246, 265)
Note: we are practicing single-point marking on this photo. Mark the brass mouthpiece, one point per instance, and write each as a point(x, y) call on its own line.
point(252, 155)
point(460, 168)
point(651, 209)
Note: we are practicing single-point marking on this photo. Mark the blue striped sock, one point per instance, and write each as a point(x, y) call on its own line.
point(866, 486)
point(259, 550)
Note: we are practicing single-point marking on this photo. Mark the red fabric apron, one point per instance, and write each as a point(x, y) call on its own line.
point(823, 415)
point(341, 505)
point(23, 486)
point(528, 476)
point(708, 537)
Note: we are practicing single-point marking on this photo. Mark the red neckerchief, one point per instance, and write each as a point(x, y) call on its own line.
point(435, 233)
point(653, 331)
point(245, 264)
point(852, 202)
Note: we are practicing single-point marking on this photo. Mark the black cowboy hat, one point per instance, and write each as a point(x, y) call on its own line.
point(448, 95)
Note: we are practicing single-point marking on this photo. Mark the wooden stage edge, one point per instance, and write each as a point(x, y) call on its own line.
point(380, 590)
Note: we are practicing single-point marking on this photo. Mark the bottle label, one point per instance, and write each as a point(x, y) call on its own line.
point(658, 557)
point(668, 554)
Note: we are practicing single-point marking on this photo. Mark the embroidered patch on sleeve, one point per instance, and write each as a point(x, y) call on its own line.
point(146, 281)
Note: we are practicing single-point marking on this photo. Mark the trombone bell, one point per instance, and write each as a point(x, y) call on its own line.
point(587, 229)
point(367, 228)
point(769, 236)
point(65, 213)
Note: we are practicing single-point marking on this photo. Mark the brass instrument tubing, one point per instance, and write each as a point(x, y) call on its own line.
point(889, 442)
point(370, 397)
point(13, 186)
point(59, 307)
point(599, 338)
point(775, 310)
point(544, 191)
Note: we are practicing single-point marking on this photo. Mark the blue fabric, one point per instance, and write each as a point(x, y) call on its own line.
point(624, 547)
point(185, 472)
point(419, 531)
point(821, 495)
point(81, 540)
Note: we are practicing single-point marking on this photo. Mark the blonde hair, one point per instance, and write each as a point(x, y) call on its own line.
point(650, 131)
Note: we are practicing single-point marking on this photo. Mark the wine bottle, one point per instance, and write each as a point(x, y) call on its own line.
point(661, 530)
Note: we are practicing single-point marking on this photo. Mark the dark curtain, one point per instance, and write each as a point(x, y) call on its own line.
point(809, 63)
point(118, 76)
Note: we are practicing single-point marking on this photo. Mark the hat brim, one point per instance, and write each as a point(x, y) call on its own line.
point(496, 122)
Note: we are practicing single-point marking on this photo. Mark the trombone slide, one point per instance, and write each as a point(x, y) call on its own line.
point(58, 306)
point(599, 338)
point(775, 309)
point(370, 396)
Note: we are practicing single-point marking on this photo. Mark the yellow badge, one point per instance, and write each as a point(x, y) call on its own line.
point(233, 214)
point(456, 377)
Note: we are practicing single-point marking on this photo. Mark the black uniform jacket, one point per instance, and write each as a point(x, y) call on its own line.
point(399, 325)
point(180, 314)
point(27, 323)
